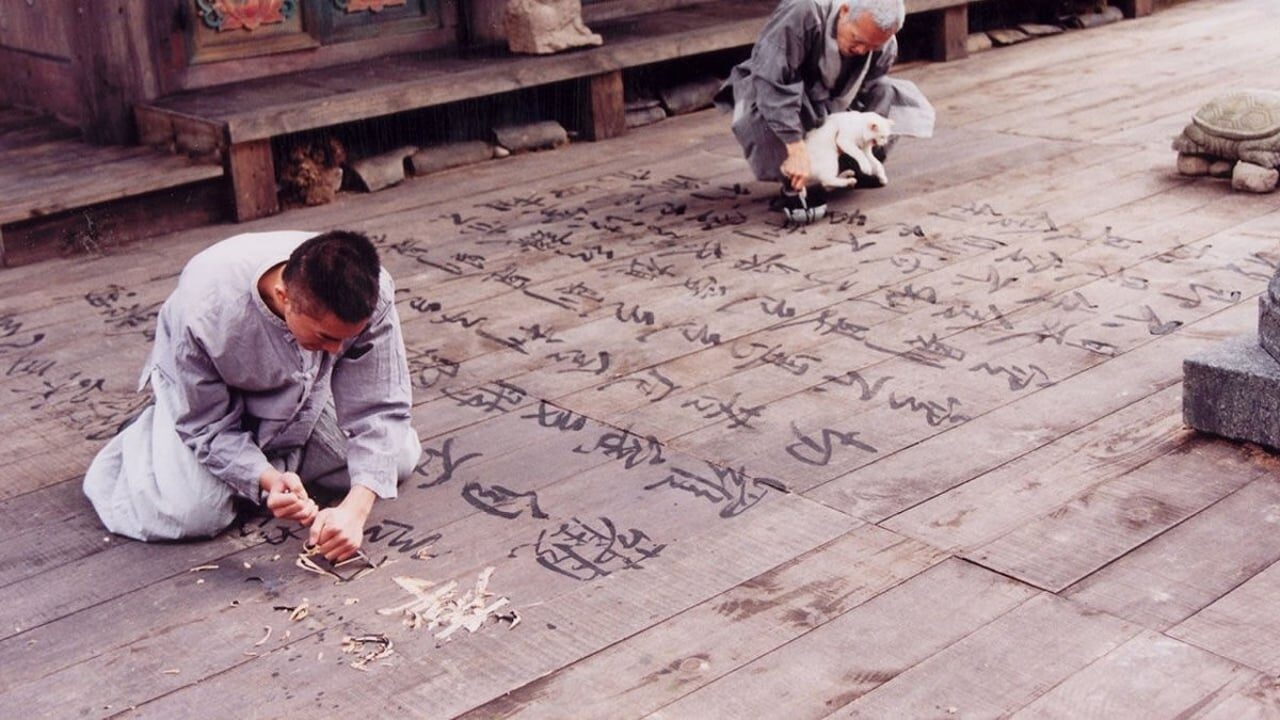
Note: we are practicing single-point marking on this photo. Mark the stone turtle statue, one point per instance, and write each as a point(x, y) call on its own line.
point(1236, 135)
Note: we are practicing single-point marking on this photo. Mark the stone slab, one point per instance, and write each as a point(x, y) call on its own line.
point(1269, 320)
point(1233, 390)
point(442, 157)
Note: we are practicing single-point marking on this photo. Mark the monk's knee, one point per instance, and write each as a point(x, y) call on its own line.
point(409, 458)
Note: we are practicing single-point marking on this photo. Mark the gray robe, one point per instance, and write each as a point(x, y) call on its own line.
point(235, 394)
point(795, 77)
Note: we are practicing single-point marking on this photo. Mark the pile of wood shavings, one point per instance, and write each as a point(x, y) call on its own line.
point(442, 608)
point(379, 646)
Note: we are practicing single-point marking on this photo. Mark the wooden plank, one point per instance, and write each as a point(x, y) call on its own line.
point(1106, 522)
point(817, 590)
point(1136, 8)
point(994, 502)
point(593, 616)
point(1258, 701)
point(1149, 676)
point(1177, 574)
point(113, 40)
point(899, 481)
point(949, 28)
point(862, 649)
point(252, 172)
point(605, 115)
point(1000, 668)
point(643, 40)
point(1240, 626)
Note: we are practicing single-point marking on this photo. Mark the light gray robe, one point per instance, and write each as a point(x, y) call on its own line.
point(235, 393)
point(796, 76)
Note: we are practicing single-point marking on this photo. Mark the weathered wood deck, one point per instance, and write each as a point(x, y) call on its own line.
point(968, 380)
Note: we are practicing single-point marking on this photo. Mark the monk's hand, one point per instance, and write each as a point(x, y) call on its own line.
point(796, 167)
point(338, 531)
point(287, 499)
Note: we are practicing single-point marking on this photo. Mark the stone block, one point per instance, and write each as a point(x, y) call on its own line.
point(977, 42)
point(690, 96)
point(382, 171)
point(442, 157)
point(541, 27)
point(1193, 165)
point(1269, 319)
point(1233, 389)
point(1254, 178)
point(645, 116)
point(541, 135)
point(1221, 168)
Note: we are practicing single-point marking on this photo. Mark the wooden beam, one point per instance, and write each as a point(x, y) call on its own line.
point(950, 30)
point(112, 63)
point(604, 112)
point(1136, 8)
point(253, 180)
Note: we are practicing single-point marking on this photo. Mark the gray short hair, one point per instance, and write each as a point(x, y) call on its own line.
point(887, 14)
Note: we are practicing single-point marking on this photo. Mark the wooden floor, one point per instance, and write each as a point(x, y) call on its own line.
point(47, 170)
point(969, 381)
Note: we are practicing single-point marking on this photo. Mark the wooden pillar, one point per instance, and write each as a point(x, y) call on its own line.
point(604, 111)
point(1136, 8)
point(113, 64)
point(252, 171)
point(950, 28)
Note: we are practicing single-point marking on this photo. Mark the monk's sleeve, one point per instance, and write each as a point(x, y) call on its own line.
point(776, 63)
point(373, 398)
point(207, 417)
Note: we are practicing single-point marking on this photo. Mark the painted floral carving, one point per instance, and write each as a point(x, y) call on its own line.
point(249, 15)
point(355, 6)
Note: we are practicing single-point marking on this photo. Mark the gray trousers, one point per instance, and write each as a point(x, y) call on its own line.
point(147, 484)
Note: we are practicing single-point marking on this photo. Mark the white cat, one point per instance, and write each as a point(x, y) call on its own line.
point(854, 134)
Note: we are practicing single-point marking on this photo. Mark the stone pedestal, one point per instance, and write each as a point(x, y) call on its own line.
point(541, 27)
point(1233, 388)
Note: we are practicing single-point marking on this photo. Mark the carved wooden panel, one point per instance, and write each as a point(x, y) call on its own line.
point(230, 29)
point(344, 20)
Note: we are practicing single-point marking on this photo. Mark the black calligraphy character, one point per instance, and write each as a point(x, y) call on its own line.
point(502, 502)
point(818, 452)
point(628, 447)
point(550, 416)
point(582, 552)
point(397, 536)
point(656, 392)
point(496, 397)
point(853, 377)
point(448, 464)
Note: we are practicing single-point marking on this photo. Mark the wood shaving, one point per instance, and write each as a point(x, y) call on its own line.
point(200, 581)
point(247, 564)
point(351, 601)
point(202, 568)
point(170, 671)
point(306, 563)
point(442, 608)
point(296, 612)
point(512, 617)
point(275, 557)
point(369, 648)
point(264, 637)
point(423, 553)
point(250, 653)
